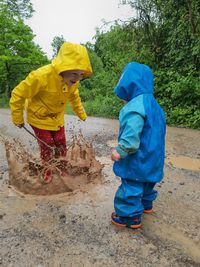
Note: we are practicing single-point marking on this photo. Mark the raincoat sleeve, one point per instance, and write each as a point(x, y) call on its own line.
point(77, 106)
point(129, 140)
point(26, 89)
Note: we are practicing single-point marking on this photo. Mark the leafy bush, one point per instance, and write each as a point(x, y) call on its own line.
point(103, 106)
point(180, 97)
point(3, 101)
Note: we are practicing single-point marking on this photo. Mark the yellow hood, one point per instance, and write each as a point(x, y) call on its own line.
point(72, 57)
point(46, 94)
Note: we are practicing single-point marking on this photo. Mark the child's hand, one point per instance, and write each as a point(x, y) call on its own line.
point(19, 125)
point(115, 155)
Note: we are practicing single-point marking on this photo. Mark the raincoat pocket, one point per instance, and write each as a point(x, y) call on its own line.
point(43, 112)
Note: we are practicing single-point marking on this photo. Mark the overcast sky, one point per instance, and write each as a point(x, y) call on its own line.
point(76, 20)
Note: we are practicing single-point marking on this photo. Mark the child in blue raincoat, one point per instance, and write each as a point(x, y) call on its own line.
point(139, 155)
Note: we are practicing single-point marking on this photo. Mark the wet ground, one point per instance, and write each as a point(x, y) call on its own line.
point(74, 229)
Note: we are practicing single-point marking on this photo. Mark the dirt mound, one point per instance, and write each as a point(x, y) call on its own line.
point(26, 172)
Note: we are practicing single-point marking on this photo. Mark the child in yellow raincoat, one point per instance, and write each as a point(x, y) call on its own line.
point(44, 94)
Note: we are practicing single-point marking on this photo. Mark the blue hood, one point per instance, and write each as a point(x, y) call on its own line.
point(135, 80)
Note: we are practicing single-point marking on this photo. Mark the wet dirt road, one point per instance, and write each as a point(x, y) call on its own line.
point(74, 229)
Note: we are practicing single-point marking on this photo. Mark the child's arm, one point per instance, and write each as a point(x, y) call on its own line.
point(26, 89)
point(77, 106)
point(129, 140)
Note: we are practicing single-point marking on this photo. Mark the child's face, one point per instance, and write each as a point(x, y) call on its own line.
point(70, 77)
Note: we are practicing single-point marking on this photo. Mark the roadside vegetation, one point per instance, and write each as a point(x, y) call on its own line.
point(163, 34)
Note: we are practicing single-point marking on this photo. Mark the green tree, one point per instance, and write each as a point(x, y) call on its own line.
point(170, 29)
point(115, 47)
point(18, 52)
point(19, 8)
point(165, 35)
point(57, 43)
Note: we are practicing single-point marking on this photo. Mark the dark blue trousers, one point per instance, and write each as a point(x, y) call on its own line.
point(133, 197)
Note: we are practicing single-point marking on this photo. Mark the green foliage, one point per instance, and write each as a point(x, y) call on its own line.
point(18, 8)
point(3, 101)
point(101, 83)
point(115, 48)
point(103, 106)
point(180, 97)
point(165, 36)
point(56, 44)
point(18, 53)
point(69, 110)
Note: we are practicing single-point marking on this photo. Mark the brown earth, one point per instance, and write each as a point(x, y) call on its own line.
point(74, 229)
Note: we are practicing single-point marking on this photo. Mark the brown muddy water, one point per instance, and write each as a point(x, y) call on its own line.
point(26, 172)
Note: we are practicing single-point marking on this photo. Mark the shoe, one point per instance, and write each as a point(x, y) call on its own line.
point(47, 176)
point(133, 223)
point(148, 210)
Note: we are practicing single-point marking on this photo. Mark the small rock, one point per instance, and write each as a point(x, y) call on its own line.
point(1, 216)
point(63, 218)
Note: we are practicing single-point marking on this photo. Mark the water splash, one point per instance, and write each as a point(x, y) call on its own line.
point(26, 171)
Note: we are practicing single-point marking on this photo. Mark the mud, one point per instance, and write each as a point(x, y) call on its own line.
point(26, 172)
point(74, 228)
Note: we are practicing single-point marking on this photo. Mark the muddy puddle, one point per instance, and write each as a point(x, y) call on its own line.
point(77, 169)
point(178, 161)
point(183, 162)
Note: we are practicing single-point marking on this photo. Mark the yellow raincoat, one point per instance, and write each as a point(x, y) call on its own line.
point(43, 94)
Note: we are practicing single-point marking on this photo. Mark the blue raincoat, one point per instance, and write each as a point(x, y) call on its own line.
point(141, 141)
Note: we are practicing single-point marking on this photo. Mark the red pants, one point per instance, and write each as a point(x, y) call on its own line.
point(54, 139)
